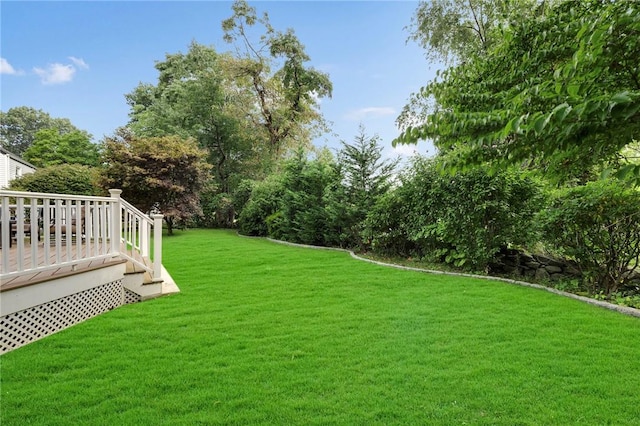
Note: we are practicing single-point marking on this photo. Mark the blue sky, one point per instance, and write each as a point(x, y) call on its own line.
point(77, 60)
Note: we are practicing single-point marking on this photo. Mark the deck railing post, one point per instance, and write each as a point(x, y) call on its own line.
point(5, 234)
point(19, 223)
point(157, 245)
point(116, 220)
point(144, 236)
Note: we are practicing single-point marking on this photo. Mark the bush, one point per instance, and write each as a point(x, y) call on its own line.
point(385, 227)
point(264, 201)
point(242, 193)
point(597, 225)
point(479, 214)
point(61, 179)
point(321, 201)
point(220, 210)
point(464, 220)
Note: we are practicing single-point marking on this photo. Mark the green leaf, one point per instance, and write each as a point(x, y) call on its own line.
point(460, 263)
point(621, 98)
point(627, 171)
point(560, 112)
point(539, 124)
point(573, 89)
point(512, 126)
point(558, 88)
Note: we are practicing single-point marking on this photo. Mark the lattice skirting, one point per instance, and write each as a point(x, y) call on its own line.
point(23, 327)
point(131, 297)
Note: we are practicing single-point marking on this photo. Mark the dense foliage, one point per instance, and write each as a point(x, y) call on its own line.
point(456, 30)
point(321, 200)
point(249, 109)
point(302, 216)
point(60, 179)
point(366, 177)
point(551, 87)
point(196, 97)
point(49, 148)
point(598, 225)
point(19, 126)
point(164, 174)
point(218, 209)
point(263, 202)
point(561, 92)
point(463, 220)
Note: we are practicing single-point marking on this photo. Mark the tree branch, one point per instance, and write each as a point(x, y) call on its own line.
point(479, 29)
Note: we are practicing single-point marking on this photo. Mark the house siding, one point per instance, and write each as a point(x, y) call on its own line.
point(4, 171)
point(11, 167)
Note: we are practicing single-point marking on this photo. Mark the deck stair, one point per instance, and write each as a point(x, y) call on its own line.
point(139, 281)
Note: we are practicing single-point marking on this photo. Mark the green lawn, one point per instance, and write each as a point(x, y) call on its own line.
point(264, 333)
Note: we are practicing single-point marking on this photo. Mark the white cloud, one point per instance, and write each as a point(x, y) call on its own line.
point(58, 73)
point(80, 63)
point(6, 68)
point(369, 112)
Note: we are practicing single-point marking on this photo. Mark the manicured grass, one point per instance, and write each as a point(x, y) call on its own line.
point(264, 333)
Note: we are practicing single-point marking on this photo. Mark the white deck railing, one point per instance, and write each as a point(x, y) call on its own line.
point(40, 231)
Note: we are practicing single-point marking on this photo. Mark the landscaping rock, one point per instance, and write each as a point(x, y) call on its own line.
point(524, 258)
point(548, 261)
point(510, 261)
point(542, 274)
point(510, 269)
point(552, 269)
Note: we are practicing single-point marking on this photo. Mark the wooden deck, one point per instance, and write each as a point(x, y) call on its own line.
point(78, 265)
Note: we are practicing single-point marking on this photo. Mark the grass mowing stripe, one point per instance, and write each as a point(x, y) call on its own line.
point(264, 333)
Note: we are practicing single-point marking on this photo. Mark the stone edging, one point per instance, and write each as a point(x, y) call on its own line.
point(601, 303)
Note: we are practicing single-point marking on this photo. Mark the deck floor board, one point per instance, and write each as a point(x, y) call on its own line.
point(75, 253)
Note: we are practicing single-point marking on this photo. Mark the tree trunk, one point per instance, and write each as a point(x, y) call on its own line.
point(169, 221)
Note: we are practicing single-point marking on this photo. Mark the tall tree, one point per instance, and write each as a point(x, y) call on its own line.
point(195, 97)
point(561, 92)
point(19, 125)
point(366, 178)
point(51, 148)
point(285, 88)
point(164, 173)
point(303, 216)
point(457, 30)
point(367, 174)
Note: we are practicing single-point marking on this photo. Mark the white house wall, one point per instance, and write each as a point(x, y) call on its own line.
point(4, 171)
point(11, 168)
